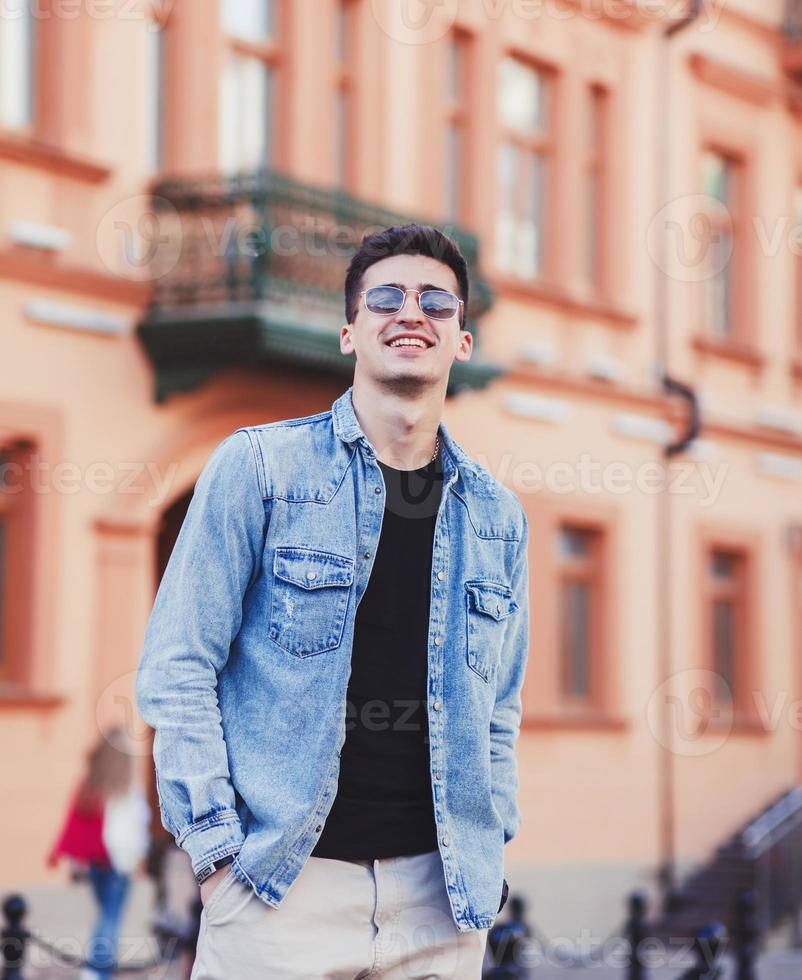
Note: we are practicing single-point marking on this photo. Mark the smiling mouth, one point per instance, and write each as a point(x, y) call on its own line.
point(409, 342)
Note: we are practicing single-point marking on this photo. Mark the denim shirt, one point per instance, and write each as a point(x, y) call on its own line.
point(246, 656)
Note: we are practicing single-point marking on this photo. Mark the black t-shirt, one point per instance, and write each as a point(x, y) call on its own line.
point(384, 805)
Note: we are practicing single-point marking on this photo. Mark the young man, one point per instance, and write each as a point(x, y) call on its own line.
point(334, 661)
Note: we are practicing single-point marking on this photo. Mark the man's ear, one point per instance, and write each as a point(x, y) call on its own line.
point(464, 347)
point(346, 340)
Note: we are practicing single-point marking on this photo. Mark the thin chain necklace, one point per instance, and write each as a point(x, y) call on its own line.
point(436, 449)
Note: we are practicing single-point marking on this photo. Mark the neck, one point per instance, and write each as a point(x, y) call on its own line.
point(401, 426)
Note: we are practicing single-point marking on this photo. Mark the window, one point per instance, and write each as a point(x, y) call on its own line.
point(595, 196)
point(727, 584)
point(717, 238)
point(17, 67)
point(344, 95)
point(523, 163)
point(579, 556)
point(156, 88)
point(16, 574)
point(248, 84)
point(455, 162)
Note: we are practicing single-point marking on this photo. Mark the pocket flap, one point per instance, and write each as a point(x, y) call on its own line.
point(491, 599)
point(312, 569)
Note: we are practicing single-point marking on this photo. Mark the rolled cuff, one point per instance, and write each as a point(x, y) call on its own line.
point(213, 837)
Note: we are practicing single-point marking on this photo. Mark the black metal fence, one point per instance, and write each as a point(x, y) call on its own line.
point(514, 944)
point(16, 938)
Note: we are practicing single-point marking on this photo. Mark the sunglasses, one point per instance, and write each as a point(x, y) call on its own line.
point(437, 304)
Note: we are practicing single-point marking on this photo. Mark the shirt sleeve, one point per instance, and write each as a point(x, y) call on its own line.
point(196, 616)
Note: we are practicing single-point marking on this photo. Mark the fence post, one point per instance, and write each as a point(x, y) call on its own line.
point(635, 932)
point(506, 942)
point(13, 938)
point(746, 935)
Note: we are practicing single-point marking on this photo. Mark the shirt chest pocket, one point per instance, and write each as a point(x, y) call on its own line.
point(310, 597)
point(489, 605)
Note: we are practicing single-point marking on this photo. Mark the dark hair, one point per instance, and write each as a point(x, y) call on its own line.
point(404, 240)
point(109, 770)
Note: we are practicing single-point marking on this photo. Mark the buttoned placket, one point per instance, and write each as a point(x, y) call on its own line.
point(436, 674)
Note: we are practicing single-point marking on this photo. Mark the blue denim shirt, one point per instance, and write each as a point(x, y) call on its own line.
point(246, 656)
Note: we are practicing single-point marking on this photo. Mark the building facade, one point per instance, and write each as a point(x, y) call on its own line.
point(629, 188)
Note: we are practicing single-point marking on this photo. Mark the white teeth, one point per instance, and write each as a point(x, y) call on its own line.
point(408, 342)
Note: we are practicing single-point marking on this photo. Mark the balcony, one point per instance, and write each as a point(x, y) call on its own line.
point(248, 270)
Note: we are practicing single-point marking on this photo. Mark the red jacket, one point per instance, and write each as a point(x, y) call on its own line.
point(81, 837)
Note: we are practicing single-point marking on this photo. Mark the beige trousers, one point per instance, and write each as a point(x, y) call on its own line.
point(340, 920)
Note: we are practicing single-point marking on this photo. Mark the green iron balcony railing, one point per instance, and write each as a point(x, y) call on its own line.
point(249, 270)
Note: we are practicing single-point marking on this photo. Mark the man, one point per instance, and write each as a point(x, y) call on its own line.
point(334, 660)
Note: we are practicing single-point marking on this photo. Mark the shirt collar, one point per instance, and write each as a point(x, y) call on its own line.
point(348, 429)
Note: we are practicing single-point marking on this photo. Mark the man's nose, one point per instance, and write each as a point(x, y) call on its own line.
point(411, 309)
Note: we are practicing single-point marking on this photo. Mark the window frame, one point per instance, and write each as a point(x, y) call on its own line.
point(586, 570)
point(529, 146)
point(456, 115)
point(745, 546)
point(597, 165)
point(736, 330)
point(17, 515)
point(47, 57)
point(32, 127)
point(739, 147)
point(544, 704)
point(271, 54)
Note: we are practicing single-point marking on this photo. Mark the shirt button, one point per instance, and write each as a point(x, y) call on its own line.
point(440, 576)
point(445, 842)
point(367, 554)
point(311, 575)
point(377, 489)
point(437, 777)
point(437, 641)
point(436, 706)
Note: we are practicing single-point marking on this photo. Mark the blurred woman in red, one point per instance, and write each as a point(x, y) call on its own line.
point(105, 837)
